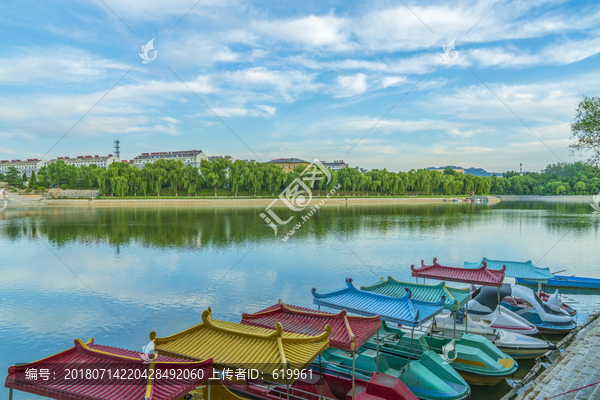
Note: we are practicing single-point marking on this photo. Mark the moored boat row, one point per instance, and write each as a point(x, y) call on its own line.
point(407, 341)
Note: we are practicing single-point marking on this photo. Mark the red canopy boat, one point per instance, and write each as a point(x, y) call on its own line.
point(347, 332)
point(477, 276)
point(89, 371)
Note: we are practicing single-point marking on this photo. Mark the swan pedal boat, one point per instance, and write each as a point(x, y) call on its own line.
point(547, 317)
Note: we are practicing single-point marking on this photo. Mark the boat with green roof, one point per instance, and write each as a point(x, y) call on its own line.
point(516, 345)
point(474, 357)
point(478, 360)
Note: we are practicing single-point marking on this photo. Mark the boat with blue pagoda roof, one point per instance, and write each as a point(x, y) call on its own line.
point(515, 269)
point(480, 367)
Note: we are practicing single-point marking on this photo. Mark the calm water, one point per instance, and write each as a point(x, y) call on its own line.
point(159, 269)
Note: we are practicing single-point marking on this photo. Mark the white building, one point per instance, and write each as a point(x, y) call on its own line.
point(335, 166)
point(340, 164)
point(33, 164)
point(191, 157)
point(79, 161)
point(24, 167)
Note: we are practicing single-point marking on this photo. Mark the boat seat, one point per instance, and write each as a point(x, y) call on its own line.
point(420, 339)
point(388, 387)
point(358, 388)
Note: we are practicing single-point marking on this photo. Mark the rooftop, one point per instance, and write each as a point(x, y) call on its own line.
point(240, 346)
point(477, 276)
point(286, 160)
point(516, 269)
point(183, 153)
point(401, 310)
point(140, 386)
point(347, 332)
point(394, 288)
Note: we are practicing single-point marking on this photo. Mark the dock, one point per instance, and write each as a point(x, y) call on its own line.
point(575, 374)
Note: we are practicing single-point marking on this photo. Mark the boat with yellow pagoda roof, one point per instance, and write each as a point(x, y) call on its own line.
point(278, 362)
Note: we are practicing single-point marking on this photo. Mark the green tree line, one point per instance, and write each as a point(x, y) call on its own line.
point(222, 177)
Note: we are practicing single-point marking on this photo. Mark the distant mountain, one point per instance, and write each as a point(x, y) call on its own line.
point(472, 171)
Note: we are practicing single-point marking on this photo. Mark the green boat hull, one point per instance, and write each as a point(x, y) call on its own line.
point(477, 360)
point(428, 378)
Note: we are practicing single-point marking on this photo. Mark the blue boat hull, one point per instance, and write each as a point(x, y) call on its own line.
point(568, 282)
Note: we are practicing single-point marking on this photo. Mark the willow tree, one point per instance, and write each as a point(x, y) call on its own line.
point(586, 128)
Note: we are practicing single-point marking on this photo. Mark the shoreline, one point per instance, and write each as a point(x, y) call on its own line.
point(571, 198)
point(204, 202)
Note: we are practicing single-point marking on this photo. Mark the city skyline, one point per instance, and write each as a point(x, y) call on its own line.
point(302, 80)
point(27, 165)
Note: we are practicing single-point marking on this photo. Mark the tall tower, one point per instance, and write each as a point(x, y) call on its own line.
point(117, 148)
point(521, 169)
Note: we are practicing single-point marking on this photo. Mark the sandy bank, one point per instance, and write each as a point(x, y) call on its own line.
point(240, 202)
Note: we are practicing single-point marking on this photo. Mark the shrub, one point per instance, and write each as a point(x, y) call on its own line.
point(64, 186)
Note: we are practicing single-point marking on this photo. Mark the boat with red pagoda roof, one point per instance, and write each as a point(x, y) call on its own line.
point(89, 371)
point(499, 319)
point(429, 378)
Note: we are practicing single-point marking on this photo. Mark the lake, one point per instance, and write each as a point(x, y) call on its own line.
point(117, 274)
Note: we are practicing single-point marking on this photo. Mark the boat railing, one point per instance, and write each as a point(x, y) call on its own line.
point(349, 369)
point(289, 390)
point(404, 344)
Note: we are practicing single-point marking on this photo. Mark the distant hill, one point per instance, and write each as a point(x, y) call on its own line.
point(472, 171)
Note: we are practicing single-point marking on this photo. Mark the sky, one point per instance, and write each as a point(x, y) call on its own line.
point(369, 83)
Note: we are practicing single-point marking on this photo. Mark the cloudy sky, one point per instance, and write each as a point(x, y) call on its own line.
point(264, 79)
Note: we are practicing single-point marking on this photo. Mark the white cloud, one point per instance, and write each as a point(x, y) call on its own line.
point(313, 31)
point(351, 85)
point(271, 111)
point(287, 84)
point(56, 65)
point(561, 53)
point(170, 120)
point(156, 10)
point(392, 81)
point(464, 133)
point(228, 112)
point(549, 101)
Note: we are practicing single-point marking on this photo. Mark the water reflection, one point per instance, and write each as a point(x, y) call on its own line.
point(227, 227)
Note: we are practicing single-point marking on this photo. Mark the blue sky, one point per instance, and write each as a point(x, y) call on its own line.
point(300, 79)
